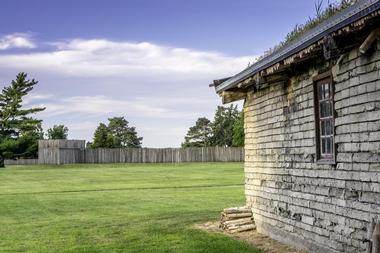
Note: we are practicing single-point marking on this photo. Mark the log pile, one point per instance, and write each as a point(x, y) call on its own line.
point(237, 219)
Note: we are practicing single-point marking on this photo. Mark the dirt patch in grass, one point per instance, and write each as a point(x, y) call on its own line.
point(253, 238)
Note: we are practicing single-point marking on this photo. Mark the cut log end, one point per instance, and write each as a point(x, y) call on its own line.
point(237, 219)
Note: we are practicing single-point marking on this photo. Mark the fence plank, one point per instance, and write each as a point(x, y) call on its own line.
point(21, 162)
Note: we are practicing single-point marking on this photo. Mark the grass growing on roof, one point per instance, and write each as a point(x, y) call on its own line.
point(117, 208)
point(321, 15)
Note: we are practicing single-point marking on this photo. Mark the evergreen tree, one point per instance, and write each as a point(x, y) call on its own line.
point(223, 125)
point(238, 131)
point(25, 146)
point(199, 135)
point(102, 137)
point(89, 144)
point(19, 131)
point(57, 132)
point(226, 130)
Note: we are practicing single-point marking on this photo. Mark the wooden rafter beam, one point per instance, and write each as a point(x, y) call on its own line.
point(372, 37)
point(232, 96)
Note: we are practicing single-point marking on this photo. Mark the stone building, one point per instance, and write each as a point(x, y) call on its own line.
point(312, 125)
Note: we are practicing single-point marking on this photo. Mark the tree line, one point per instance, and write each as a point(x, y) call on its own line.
point(226, 130)
point(20, 130)
point(116, 134)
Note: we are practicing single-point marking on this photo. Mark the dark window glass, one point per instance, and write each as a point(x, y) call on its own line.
point(329, 146)
point(323, 145)
point(323, 128)
point(321, 92)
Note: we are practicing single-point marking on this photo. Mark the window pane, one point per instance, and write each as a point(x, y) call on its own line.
point(328, 127)
point(323, 128)
point(323, 109)
point(323, 145)
point(327, 90)
point(329, 145)
point(327, 109)
point(321, 96)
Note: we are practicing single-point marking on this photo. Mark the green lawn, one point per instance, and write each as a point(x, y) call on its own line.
point(118, 207)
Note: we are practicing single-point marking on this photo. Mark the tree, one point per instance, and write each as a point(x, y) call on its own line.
point(28, 142)
point(223, 124)
point(199, 135)
point(238, 131)
point(57, 132)
point(102, 137)
point(117, 134)
point(89, 144)
point(26, 145)
point(226, 130)
point(123, 135)
point(19, 131)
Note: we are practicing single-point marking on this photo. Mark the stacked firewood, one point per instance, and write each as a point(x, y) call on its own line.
point(237, 219)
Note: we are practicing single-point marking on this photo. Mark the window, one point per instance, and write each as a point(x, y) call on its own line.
point(324, 118)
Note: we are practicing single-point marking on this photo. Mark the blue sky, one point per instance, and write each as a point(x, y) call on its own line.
point(148, 60)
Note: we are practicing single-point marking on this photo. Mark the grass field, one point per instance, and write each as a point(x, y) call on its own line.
point(117, 208)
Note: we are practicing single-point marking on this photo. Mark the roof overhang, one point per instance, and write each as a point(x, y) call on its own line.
point(341, 20)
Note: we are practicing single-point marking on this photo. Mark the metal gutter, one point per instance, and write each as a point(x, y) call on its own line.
point(353, 13)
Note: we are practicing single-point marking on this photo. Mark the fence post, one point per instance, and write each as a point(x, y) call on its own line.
point(1, 162)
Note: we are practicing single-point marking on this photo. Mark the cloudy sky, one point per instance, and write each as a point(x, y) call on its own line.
point(148, 60)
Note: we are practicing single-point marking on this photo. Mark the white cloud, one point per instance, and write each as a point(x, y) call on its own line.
point(32, 98)
point(16, 40)
point(161, 90)
point(82, 114)
point(100, 57)
point(102, 105)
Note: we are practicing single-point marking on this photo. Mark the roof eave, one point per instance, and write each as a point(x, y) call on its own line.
point(340, 20)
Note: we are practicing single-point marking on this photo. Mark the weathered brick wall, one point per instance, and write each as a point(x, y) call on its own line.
point(325, 208)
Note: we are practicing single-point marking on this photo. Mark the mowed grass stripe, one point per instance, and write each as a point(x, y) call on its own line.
point(110, 176)
point(127, 189)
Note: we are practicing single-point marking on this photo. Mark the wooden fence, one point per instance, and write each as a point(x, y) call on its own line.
point(21, 162)
point(74, 151)
point(61, 151)
point(163, 155)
